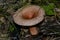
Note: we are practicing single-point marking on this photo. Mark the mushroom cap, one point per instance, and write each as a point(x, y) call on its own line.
point(18, 19)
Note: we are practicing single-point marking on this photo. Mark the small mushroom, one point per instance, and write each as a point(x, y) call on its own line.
point(29, 16)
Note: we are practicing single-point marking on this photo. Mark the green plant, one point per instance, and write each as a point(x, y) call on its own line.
point(49, 9)
point(11, 28)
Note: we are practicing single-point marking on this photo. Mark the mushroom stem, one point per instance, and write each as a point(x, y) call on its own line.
point(33, 30)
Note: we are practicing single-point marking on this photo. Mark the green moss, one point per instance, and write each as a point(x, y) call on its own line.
point(49, 9)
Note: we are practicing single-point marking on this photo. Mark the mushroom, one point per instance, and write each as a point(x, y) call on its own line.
point(29, 16)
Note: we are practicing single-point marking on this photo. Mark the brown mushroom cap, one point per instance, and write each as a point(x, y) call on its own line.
point(28, 16)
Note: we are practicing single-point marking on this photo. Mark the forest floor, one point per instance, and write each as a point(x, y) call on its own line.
point(49, 28)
